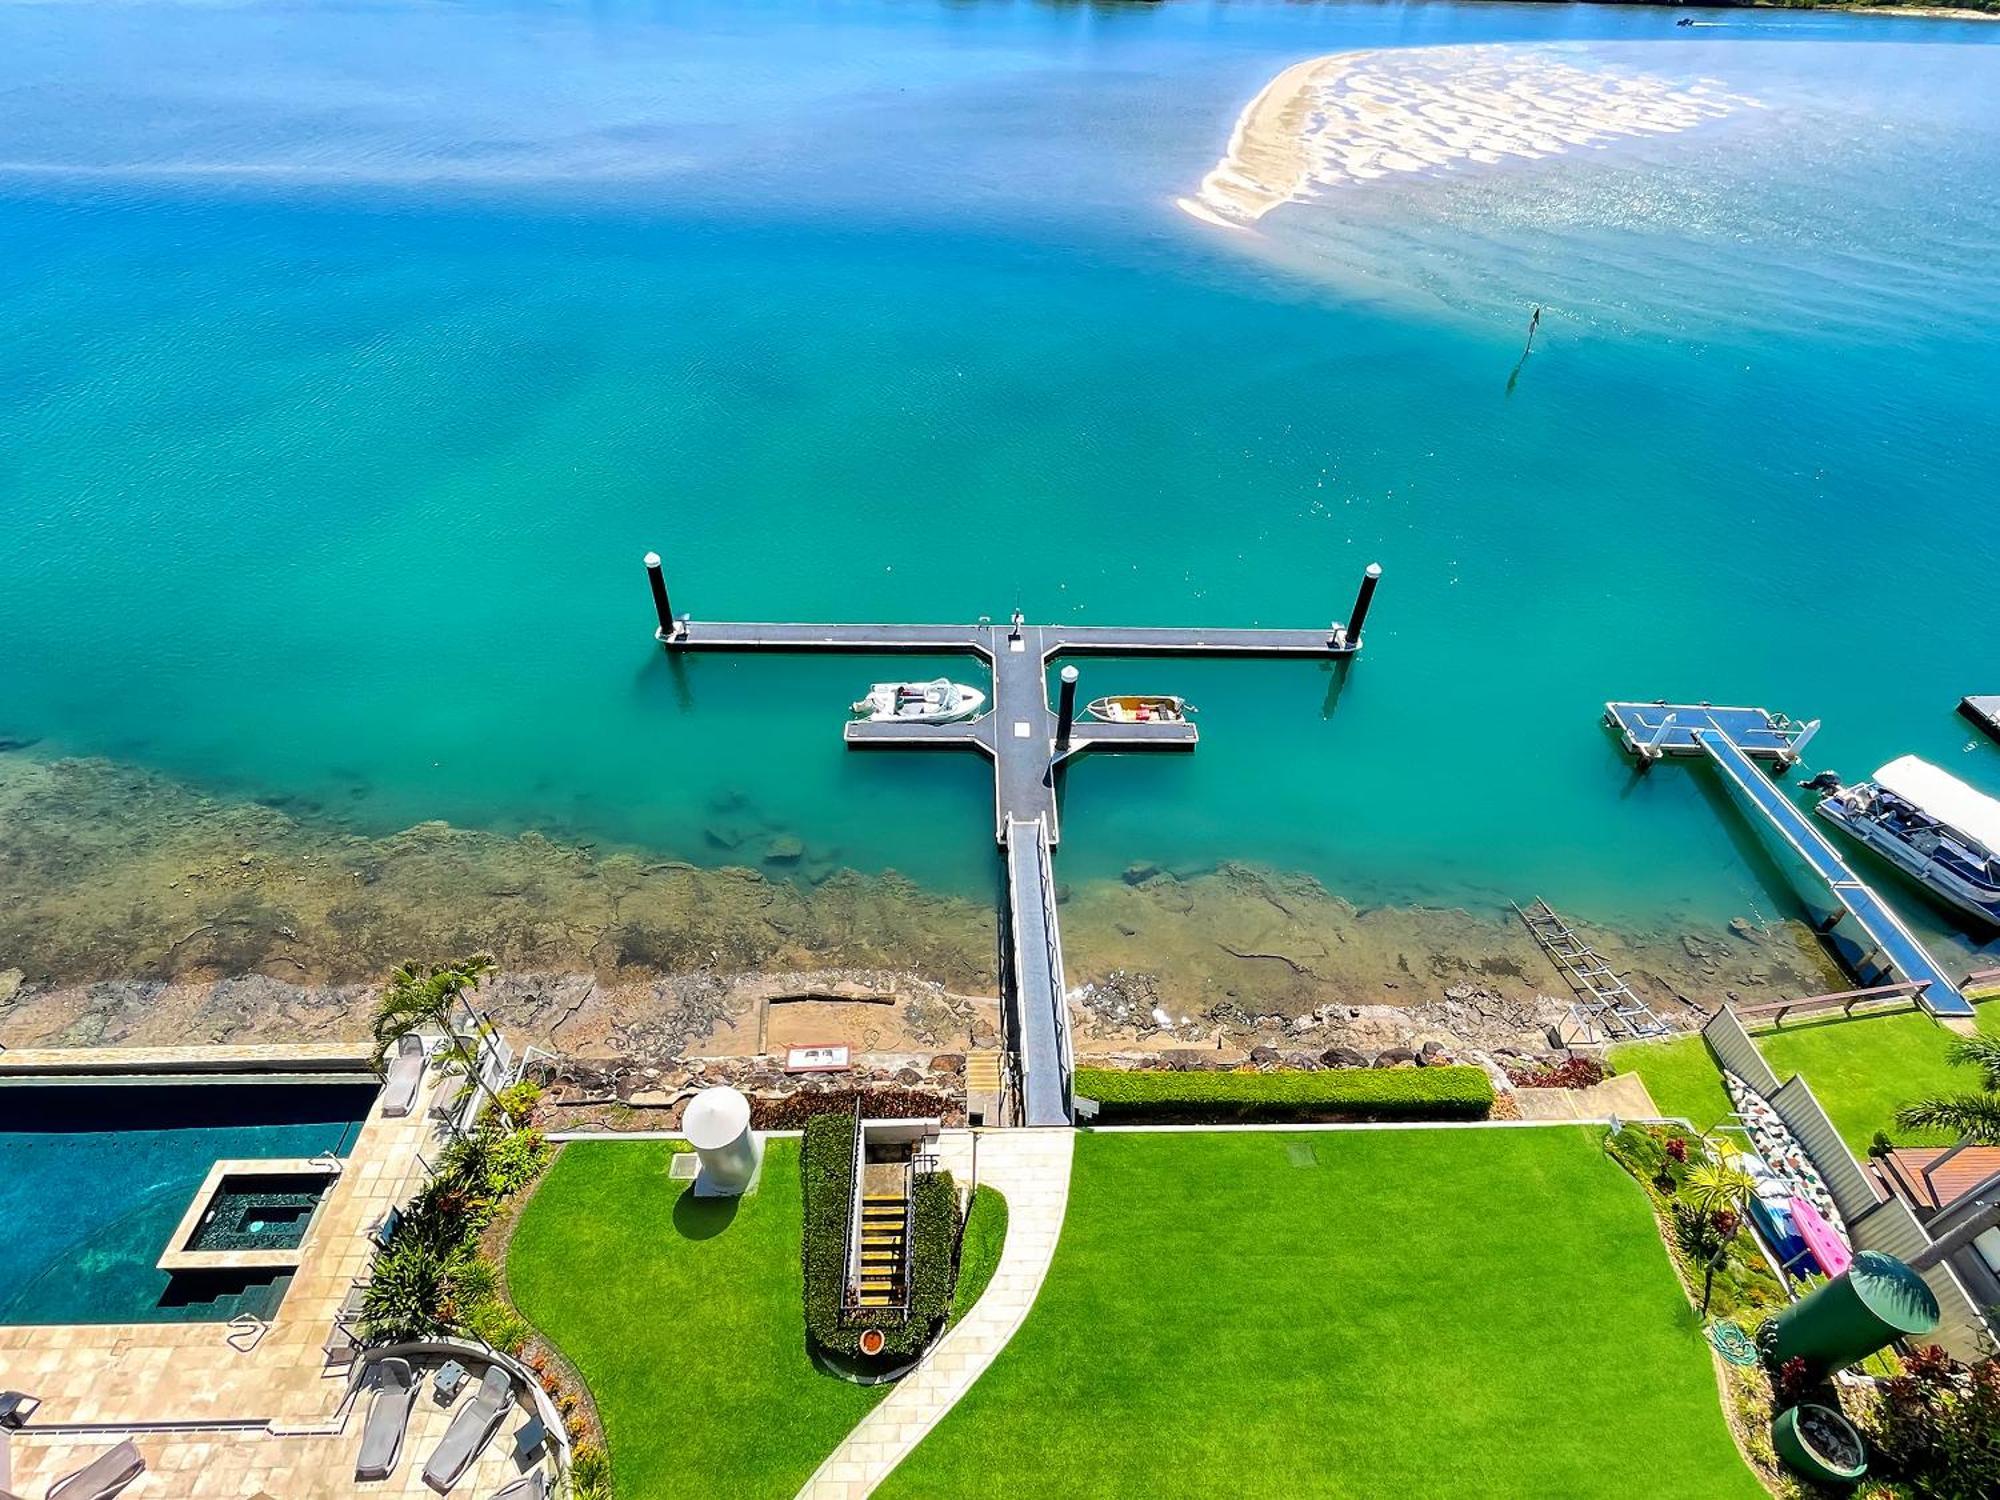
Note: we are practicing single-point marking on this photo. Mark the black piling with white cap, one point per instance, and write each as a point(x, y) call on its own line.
point(1065, 707)
point(656, 576)
point(1362, 600)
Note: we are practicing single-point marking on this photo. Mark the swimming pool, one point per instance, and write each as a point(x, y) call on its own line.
point(96, 1175)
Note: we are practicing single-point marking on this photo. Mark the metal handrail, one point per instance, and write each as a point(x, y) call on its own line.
point(848, 1299)
point(1045, 873)
point(909, 1205)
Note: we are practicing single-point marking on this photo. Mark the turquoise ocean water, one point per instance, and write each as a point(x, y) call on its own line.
point(352, 355)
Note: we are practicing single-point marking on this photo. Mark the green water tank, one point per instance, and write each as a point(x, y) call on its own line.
point(1870, 1305)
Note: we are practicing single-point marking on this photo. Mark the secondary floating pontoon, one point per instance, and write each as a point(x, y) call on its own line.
point(939, 702)
point(1931, 824)
point(1140, 708)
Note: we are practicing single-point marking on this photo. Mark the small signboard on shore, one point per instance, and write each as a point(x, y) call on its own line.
point(816, 1060)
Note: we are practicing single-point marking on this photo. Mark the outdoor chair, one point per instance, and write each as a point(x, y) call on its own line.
point(103, 1477)
point(472, 1428)
point(343, 1341)
point(404, 1077)
point(529, 1487)
point(388, 1419)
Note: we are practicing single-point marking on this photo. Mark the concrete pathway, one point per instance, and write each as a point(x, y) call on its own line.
point(1624, 1096)
point(1031, 1167)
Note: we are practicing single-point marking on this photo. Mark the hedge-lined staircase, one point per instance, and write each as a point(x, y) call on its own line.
point(885, 1222)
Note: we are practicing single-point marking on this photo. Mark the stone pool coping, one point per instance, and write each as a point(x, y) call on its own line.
point(178, 1258)
point(293, 1057)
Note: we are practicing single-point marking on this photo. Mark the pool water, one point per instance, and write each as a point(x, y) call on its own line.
point(251, 1212)
point(95, 1177)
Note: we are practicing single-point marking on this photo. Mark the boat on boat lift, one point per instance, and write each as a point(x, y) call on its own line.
point(1927, 822)
point(939, 702)
point(1140, 708)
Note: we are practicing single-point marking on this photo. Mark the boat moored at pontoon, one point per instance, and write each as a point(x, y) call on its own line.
point(1930, 824)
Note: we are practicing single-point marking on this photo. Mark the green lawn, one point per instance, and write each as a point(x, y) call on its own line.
point(979, 1250)
point(685, 1317)
point(1860, 1069)
point(1863, 1069)
point(1680, 1075)
point(1408, 1313)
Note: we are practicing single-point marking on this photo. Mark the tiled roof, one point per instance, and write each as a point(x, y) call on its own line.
point(1903, 1172)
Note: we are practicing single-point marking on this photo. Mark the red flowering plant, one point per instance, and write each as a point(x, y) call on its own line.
point(1936, 1428)
point(1570, 1073)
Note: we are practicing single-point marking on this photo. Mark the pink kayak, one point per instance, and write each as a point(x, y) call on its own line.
point(1821, 1238)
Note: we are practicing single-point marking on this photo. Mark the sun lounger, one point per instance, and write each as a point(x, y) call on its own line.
point(388, 1419)
point(472, 1428)
point(103, 1477)
point(533, 1487)
point(405, 1076)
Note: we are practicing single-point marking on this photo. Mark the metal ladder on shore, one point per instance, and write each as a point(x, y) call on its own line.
point(1604, 1003)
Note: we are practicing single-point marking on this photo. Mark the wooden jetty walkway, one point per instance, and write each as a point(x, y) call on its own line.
point(1028, 744)
point(1877, 946)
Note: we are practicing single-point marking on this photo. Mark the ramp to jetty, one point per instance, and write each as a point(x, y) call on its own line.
point(1869, 936)
point(1889, 947)
point(1039, 992)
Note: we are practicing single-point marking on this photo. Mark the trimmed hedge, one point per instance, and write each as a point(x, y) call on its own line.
point(1452, 1093)
point(826, 1186)
point(826, 1182)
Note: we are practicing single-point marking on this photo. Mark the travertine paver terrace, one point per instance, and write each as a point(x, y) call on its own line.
point(295, 1432)
point(1031, 1167)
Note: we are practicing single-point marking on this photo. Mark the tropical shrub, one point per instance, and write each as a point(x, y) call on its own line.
point(493, 1322)
point(517, 1157)
point(409, 1294)
point(518, 1102)
point(589, 1474)
point(429, 1279)
point(1936, 1428)
point(1450, 1093)
point(475, 1281)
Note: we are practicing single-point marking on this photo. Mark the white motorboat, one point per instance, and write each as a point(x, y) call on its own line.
point(1929, 823)
point(939, 702)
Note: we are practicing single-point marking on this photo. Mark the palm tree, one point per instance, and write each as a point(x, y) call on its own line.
point(1704, 1244)
point(431, 997)
point(1971, 1117)
point(1714, 1186)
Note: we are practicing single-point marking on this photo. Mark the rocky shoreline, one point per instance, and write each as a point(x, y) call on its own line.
point(137, 910)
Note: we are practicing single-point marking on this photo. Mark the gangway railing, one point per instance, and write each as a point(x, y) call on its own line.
point(1052, 929)
point(1040, 989)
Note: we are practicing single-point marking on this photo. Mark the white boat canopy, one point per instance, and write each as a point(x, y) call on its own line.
point(1944, 797)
